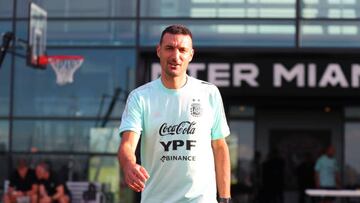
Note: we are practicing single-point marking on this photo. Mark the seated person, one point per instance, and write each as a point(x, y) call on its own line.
point(22, 184)
point(51, 190)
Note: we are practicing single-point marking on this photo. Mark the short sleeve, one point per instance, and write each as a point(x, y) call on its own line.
point(132, 116)
point(220, 128)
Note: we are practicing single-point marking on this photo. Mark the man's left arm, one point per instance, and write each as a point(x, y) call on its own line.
point(222, 167)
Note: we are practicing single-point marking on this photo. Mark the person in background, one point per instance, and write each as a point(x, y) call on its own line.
point(327, 174)
point(22, 186)
point(51, 190)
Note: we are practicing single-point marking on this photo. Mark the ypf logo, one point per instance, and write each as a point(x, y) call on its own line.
point(195, 108)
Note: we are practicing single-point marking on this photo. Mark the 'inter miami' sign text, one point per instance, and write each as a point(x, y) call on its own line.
point(276, 76)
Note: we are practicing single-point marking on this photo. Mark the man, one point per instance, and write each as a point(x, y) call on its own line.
point(327, 172)
point(51, 190)
point(182, 124)
point(22, 185)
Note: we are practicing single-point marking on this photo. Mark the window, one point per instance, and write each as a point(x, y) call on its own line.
point(82, 8)
point(257, 33)
point(241, 147)
point(95, 81)
point(37, 135)
point(5, 69)
point(85, 32)
point(219, 8)
point(345, 9)
point(63, 136)
point(6, 8)
point(330, 34)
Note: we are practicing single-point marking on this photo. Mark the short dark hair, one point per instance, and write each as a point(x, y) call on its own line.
point(176, 29)
point(45, 165)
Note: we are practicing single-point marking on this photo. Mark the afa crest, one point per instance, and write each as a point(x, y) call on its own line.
point(195, 108)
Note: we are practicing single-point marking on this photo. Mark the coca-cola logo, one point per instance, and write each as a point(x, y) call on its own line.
point(185, 127)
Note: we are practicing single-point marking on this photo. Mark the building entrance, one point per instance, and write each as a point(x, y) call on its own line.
point(293, 137)
point(299, 150)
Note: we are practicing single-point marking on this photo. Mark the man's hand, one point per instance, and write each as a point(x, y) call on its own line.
point(135, 177)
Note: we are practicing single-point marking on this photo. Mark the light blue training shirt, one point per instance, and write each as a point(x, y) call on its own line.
point(327, 169)
point(177, 127)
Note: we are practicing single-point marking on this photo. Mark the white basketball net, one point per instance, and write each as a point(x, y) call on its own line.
point(65, 69)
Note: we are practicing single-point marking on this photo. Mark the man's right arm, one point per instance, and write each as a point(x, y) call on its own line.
point(134, 174)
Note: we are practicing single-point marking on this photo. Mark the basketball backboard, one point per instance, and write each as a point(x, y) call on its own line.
point(36, 35)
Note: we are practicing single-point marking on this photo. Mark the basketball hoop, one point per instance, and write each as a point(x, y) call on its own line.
point(64, 66)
